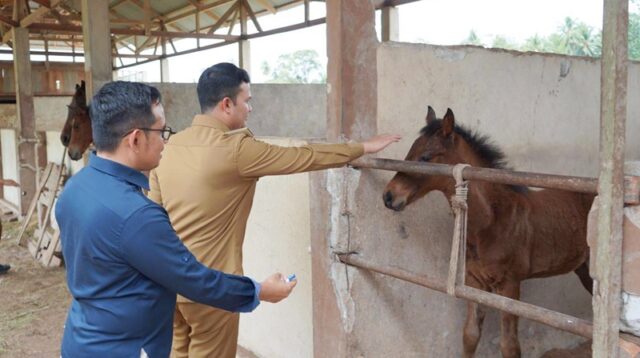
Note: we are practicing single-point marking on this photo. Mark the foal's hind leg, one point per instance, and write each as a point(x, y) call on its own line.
point(583, 273)
point(509, 344)
point(473, 325)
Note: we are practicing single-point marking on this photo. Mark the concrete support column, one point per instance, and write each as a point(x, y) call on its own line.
point(97, 44)
point(351, 70)
point(390, 24)
point(351, 113)
point(244, 47)
point(25, 117)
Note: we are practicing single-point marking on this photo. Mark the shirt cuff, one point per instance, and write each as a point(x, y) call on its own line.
point(356, 150)
point(256, 296)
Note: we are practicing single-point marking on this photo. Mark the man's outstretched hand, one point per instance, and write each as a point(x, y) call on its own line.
point(379, 142)
point(275, 288)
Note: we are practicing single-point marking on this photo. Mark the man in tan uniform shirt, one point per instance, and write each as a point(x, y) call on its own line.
point(206, 181)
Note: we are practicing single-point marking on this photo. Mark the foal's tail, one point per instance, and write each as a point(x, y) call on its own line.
point(583, 274)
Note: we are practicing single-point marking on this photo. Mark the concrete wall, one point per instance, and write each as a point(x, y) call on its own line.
point(542, 110)
point(277, 239)
point(281, 110)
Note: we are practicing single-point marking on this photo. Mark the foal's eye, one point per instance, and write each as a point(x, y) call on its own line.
point(425, 158)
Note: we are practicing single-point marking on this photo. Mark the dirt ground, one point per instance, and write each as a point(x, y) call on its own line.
point(33, 302)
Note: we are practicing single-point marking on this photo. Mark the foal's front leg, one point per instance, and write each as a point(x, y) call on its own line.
point(473, 325)
point(509, 344)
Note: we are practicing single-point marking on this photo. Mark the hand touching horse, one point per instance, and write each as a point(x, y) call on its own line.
point(513, 233)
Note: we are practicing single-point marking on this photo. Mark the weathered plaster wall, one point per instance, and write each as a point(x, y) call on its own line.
point(542, 110)
point(277, 239)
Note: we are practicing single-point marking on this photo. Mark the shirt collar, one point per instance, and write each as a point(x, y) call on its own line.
point(207, 120)
point(118, 170)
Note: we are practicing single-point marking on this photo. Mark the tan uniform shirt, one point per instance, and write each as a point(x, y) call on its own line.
point(207, 178)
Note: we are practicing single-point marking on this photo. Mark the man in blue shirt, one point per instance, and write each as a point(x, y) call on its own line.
point(124, 262)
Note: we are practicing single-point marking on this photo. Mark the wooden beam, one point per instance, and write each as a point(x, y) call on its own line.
point(613, 112)
point(147, 17)
point(224, 17)
point(267, 5)
point(233, 22)
point(19, 10)
point(9, 21)
point(45, 3)
point(195, 3)
point(72, 29)
point(252, 15)
point(38, 14)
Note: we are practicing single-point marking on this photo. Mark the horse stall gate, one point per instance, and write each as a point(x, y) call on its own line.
point(542, 110)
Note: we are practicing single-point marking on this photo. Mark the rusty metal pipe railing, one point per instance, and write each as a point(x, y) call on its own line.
point(502, 176)
point(554, 319)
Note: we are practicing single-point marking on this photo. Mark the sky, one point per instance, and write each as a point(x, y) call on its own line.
point(441, 22)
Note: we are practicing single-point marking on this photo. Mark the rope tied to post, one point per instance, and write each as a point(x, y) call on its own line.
point(459, 243)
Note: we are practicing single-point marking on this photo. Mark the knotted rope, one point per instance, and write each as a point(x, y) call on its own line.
point(459, 244)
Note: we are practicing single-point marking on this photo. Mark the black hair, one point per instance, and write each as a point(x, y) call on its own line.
point(220, 81)
point(119, 107)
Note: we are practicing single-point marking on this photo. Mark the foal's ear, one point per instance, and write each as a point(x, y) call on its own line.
point(448, 123)
point(431, 115)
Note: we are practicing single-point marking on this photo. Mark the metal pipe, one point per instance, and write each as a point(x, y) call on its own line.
point(502, 176)
point(554, 319)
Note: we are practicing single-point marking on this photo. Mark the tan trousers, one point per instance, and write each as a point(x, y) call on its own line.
point(201, 331)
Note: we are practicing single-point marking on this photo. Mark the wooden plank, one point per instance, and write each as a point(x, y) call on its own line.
point(57, 174)
point(613, 104)
point(34, 202)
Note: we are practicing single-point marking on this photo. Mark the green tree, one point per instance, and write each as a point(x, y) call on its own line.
point(634, 33)
point(302, 66)
point(472, 39)
point(502, 42)
point(535, 43)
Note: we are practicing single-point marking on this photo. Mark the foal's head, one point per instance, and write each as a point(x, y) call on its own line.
point(441, 141)
point(76, 134)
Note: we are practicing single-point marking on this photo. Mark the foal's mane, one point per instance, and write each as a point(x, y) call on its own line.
point(480, 144)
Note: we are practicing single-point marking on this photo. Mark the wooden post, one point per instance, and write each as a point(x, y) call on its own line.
point(244, 47)
point(164, 70)
point(98, 64)
point(390, 24)
point(25, 117)
point(613, 105)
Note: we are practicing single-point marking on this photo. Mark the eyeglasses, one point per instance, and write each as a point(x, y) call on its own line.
point(165, 132)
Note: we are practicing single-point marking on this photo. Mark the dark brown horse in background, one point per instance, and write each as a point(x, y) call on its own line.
point(513, 233)
point(76, 133)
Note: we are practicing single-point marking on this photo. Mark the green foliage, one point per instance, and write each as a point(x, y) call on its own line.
point(473, 39)
point(302, 66)
point(634, 34)
point(573, 38)
point(502, 42)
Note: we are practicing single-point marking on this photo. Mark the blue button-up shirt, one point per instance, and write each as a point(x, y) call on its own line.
point(125, 265)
